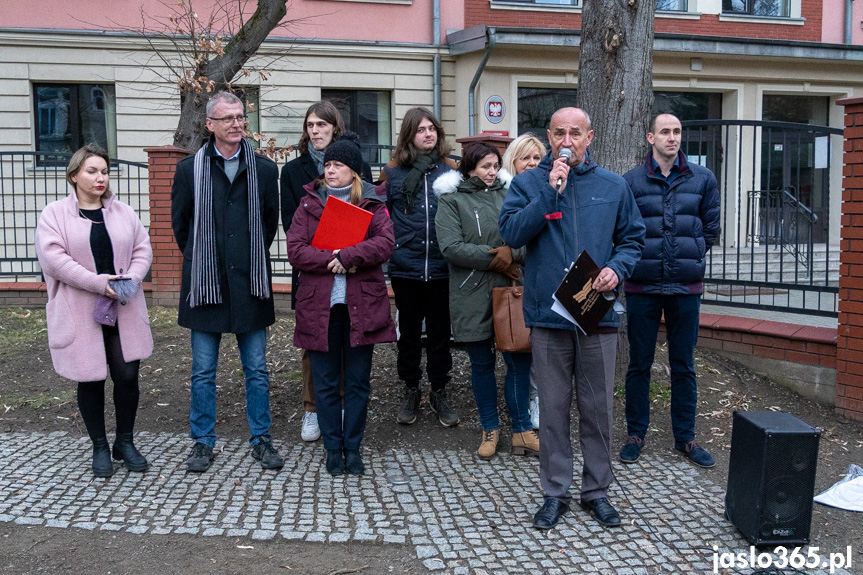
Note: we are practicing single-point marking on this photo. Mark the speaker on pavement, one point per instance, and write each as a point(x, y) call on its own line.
point(771, 477)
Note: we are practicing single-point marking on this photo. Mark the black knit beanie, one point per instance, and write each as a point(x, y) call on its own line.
point(347, 151)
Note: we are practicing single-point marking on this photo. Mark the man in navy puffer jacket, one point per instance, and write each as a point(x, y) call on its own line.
point(679, 203)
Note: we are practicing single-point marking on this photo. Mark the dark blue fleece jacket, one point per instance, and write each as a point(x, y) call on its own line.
point(599, 215)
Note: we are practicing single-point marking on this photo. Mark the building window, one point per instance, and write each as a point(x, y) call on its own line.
point(689, 105)
point(250, 95)
point(568, 3)
point(68, 116)
point(366, 112)
point(672, 5)
point(536, 106)
point(701, 144)
point(767, 8)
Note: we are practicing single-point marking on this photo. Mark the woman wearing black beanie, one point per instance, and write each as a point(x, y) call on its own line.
point(322, 126)
point(342, 306)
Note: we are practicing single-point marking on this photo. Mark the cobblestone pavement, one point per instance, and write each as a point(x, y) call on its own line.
point(461, 515)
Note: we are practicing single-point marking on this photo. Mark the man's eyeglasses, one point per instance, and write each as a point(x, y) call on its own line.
point(228, 120)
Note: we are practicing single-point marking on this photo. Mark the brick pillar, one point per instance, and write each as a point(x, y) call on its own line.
point(498, 142)
point(849, 345)
point(167, 268)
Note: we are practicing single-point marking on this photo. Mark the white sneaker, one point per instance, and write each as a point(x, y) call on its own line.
point(534, 412)
point(311, 431)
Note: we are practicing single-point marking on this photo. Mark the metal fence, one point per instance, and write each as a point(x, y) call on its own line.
point(31, 180)
point(774, 250)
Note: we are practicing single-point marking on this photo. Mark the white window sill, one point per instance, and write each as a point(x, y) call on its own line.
point(530, 7)
point(401, 2)
point(725, 17)
point(672, 14)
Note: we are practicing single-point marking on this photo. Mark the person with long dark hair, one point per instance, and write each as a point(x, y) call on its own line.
point(90, 247)
point(342, 304)
point(418, 272)
point(469, 203)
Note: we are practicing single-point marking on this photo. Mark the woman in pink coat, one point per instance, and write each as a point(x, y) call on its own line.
point(90, 247)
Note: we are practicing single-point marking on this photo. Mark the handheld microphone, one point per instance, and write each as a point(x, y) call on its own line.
point(564, 153)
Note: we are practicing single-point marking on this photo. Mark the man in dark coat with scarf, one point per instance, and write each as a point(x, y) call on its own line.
point(225, 214)
point(679, 202)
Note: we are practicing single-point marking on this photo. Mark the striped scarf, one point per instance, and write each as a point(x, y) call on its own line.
point(205, 263)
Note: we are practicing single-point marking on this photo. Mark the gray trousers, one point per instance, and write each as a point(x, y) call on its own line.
point(559, 356)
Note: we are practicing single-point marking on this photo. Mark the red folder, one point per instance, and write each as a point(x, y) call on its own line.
point(342, 225)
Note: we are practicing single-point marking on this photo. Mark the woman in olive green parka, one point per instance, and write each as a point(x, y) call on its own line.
point(469, 203)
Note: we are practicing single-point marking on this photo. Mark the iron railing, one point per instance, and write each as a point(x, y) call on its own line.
point(31, 180)
point(774, 250)
point(756, 262)
point(784, 222)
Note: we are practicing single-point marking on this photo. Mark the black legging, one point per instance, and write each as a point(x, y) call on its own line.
point(91, 394)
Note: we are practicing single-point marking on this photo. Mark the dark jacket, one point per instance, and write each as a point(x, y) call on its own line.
point(682, 221)
point(599, 216)
point(239, 311)
point(417, 254)
point(366, 289)
point(295, 175)
point(467, 229)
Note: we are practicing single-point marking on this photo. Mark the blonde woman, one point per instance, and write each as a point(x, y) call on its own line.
point(342, 305)
point(524, 153)
point(91, 246)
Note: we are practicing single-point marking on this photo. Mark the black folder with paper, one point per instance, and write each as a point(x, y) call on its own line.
point(577, 301)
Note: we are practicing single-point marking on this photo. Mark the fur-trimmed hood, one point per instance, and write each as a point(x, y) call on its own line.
point(450, 181)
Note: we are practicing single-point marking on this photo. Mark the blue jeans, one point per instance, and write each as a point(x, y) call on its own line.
point(516, 385)
point(205, 359)
point(643, 317)
point(327, 367)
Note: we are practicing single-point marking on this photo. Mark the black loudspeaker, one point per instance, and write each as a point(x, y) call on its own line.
point(771, 477)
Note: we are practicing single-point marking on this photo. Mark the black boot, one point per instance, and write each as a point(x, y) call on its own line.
point(102, 466)
point(410, 406)
point(124, 450)
point(354, 462)
point(335, 462)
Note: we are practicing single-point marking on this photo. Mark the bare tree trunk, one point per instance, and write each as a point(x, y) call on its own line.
point(615, 78)
point(216, 74)
point(615, 88)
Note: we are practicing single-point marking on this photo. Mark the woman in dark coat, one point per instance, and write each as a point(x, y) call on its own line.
point(321, 127)
point(342, 306)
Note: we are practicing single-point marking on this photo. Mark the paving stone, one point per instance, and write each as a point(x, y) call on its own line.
point(459, 517)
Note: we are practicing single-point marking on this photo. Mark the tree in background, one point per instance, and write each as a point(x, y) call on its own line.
point(615, 78)
point(615, 88)
point(205, 56)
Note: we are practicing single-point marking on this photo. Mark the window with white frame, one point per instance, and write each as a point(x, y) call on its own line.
point(767, 8)
point(366, 112)
point(566, 3)
point(672, 5)
point(68, 116)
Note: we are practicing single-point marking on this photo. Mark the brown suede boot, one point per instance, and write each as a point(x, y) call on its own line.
point(488, 447)
point(525, 443)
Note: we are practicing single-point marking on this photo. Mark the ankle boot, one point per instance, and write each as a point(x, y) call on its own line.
point(354, 462)
point(102, 466)
point(525, 443)
point(488, 447)
point(335, 462)
point(124, 450)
